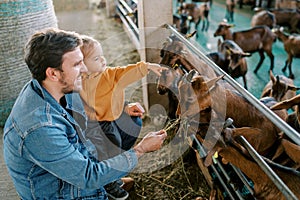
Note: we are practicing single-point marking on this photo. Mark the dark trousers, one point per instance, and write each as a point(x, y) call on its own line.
point(112, 138)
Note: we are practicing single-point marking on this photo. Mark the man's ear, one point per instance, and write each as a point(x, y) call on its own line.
point(52, 74)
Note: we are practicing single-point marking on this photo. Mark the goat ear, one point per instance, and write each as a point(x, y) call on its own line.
point(213, 81)
point(292, 88)
point(287, 103)
point(272, 77)
point(244, 54)
point(187, 36)
point(190, 75)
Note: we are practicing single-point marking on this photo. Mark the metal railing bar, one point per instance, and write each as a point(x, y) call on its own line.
point(222, 182)
point(228, 179)
point(125, 5)
point(282, 125)
point(267, 169)
point(130, 23)
point(203, 154)
point(243, 178)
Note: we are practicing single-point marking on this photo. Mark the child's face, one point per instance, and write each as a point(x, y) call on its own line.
point(95, 61)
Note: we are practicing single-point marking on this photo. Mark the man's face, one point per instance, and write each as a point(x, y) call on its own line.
point(72, 67)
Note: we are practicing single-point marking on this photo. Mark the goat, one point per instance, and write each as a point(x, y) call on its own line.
point(196, 97)
point(181, 23)
point(176, 55)
point(287, 154)
point(174, 52)
point(291, 46)
point(294, 118)
point(264, 187)
point(197, 14)
point(219, 59)
point(263, 17)
point(237, 66)
point(287, 17)
point(167, 84)
point(258, 39)
point(279, 87)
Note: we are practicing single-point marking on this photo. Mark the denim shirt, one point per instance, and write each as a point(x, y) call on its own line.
point(46, 153)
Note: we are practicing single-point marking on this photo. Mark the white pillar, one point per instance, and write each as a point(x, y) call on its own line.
point(110, 7)
point(152, 14)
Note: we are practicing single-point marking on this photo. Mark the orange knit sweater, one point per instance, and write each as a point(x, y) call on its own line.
point(103, 93)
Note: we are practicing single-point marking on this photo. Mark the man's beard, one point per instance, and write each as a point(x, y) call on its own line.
point(67, 88)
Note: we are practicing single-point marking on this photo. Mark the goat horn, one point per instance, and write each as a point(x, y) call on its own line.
point(183, 52)
point(190, 75)
point(190, 35)
point(293, 88)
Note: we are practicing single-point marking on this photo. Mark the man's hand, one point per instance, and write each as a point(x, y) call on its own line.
point(151, 142)
point(156, 68)
point(134, 109)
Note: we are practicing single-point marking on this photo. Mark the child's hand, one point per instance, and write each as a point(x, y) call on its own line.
point(156, 68)
point(134, 109)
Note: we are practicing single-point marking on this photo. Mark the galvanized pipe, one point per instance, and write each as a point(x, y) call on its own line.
point(203, 153)
point(270, 173)
point(282, 125)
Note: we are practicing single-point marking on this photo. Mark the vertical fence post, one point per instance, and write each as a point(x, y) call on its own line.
point(151, 16)
point(110, 7)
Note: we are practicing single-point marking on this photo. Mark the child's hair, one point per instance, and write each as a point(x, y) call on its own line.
point(89, 44)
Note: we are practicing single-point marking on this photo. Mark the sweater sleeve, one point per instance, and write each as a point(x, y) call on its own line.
point(128, 74)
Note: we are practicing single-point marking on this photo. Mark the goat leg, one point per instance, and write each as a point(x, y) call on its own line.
point(262, 57)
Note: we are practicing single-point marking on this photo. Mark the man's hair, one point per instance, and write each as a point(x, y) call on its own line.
point(46, 49)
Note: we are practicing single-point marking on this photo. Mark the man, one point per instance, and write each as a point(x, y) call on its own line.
point(45, 150)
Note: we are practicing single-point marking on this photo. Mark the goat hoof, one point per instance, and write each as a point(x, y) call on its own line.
point(255, 71)
point(291, 76)
point(283, 69)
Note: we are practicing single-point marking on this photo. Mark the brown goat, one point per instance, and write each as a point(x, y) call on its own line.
point(174, 52)
point(291, 46)
point(195, 97)
point(181, 23)
point(294, 118)
point(279, 87)
point(237, 66)
point(197, 13)
point(287, 17)
point(167, 84)
point(263, 17)
point(177, 57)
point(264, 188)
point(258, 39)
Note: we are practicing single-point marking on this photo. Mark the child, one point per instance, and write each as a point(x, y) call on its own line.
point(113, 125)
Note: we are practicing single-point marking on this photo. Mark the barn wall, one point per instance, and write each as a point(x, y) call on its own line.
point(69, 5)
